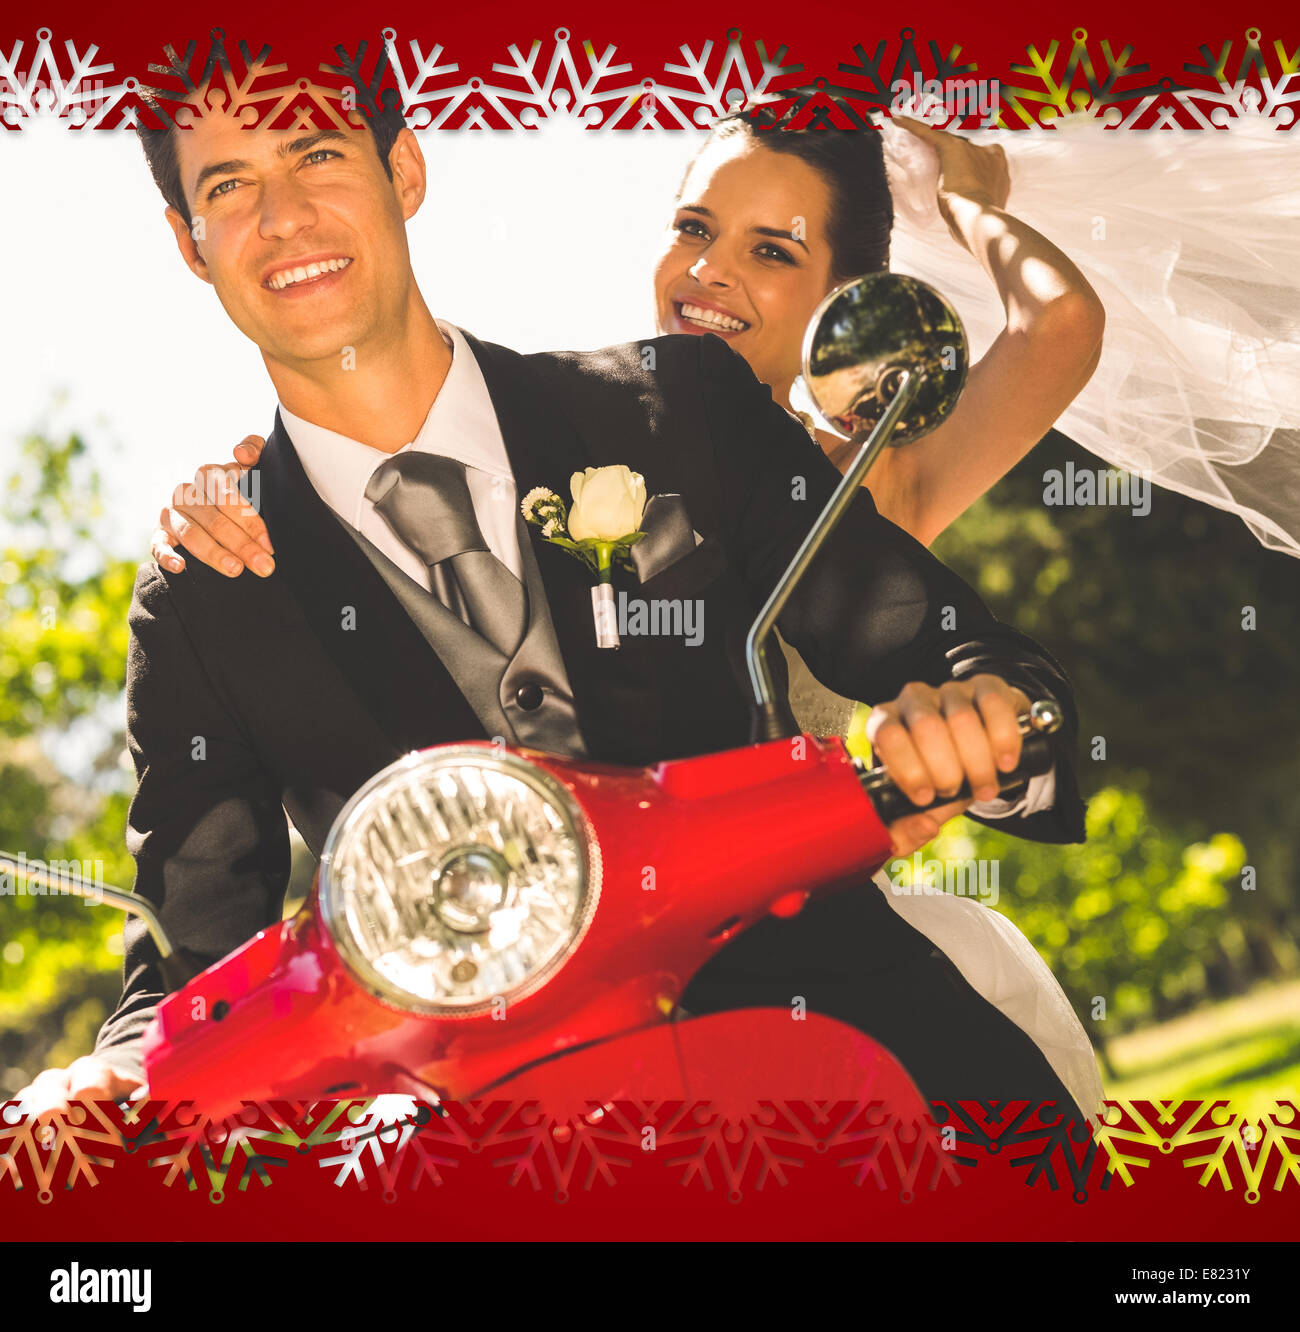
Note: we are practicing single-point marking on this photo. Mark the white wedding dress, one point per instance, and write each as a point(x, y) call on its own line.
point(1191, 238)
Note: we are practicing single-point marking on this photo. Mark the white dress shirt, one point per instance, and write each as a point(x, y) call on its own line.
point(461, 424)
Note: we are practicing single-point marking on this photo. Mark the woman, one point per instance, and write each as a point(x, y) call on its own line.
point(764, 225)
point(766, 222)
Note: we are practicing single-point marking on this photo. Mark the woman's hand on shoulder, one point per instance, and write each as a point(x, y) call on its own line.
point(211, 519)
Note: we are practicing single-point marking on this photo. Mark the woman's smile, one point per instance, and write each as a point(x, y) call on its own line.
point(694, 315)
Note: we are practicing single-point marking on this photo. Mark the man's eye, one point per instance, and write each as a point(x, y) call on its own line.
point(321, 155)
point(224, 188)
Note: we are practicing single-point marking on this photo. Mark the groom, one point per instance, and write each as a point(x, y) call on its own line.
point(382, 629)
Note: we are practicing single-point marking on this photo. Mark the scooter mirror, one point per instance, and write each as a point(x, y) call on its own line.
point(884, 361)
point(862, 339)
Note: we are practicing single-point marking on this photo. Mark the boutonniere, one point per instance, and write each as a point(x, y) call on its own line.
point(603, 525)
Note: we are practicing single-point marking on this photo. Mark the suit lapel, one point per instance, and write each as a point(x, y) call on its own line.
point(351, 610)
point(615, 692)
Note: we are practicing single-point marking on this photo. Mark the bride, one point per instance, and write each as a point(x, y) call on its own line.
point(765, 223)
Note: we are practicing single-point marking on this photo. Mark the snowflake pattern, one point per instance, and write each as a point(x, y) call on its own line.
point(69, 1149)
point(74, 93)
point(399, 1144)
point(396, 1138)
point(249, 84)
point(559, 1147)
point(887, 1149)
point(739, 1148)
point(725, 86)
point(1229, 1148)
point(582, 85)
point(872, 82)
point(224, 1153)
point(1053, 1149)
point(1074, 85)
point(1238, 98)
point(1125, 95)
point(590, 85)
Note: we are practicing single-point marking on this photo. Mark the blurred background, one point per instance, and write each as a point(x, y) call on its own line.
point(1175, 930)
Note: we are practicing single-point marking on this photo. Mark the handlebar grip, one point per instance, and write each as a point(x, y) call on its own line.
point(1035, 759)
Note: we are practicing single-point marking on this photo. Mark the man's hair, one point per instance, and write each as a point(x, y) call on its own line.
point(160, 152)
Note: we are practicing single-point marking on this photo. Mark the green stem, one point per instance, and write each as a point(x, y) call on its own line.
point(604, 559)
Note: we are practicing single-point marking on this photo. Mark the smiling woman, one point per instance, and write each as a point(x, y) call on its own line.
point(765, 223)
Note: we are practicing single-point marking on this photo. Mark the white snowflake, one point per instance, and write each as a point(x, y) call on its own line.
point(726, 86)
point(392, 1138)
point(577, 84)
point(549, 83)
point(76, 94)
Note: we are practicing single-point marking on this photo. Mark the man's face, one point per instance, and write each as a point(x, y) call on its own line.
point(303, 235)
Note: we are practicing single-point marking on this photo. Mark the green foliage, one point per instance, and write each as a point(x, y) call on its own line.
point(62, 668)
point(1130, 916)
point(1146, 615)
point(1201, 774)
point(1197, 712)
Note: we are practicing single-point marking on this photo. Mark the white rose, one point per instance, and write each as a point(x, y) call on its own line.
point(607, 503)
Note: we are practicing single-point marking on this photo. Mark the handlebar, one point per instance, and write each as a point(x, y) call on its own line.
point(1043, 718)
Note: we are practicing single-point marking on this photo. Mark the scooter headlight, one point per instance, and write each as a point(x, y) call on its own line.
point(458, 877)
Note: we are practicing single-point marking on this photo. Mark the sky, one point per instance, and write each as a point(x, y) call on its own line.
point(535, 240)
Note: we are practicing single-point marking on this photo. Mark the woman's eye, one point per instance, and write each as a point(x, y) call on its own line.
point(774, 252)
point(691, 226)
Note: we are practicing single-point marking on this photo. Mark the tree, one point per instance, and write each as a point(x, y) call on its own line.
point(62, 666)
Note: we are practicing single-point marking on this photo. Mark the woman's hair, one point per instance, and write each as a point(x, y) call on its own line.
point(852, 163)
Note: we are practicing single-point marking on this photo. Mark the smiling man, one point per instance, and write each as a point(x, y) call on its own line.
point(410, 605)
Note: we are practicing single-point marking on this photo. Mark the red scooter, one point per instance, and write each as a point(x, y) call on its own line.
point(488, 920)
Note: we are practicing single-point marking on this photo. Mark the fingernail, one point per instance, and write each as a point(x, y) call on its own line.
point(1006, 762)
point(230, 565)
point(989, 792)
point(924, 796)
point(264, 565)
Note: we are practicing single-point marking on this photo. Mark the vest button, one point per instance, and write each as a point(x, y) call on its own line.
point(529, 697)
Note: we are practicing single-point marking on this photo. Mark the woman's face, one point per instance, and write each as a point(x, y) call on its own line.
point(746, 256)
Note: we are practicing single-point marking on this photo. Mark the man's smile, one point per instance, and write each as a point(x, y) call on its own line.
point(306, 271)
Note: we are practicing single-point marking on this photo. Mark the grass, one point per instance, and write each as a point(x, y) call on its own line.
point(1246, 1050)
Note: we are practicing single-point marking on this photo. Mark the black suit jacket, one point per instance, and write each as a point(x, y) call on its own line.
point(250, 697)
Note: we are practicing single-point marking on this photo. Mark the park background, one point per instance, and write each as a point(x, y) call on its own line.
point(120, 375)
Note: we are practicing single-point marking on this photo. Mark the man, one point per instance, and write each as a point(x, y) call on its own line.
point(251, 697)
